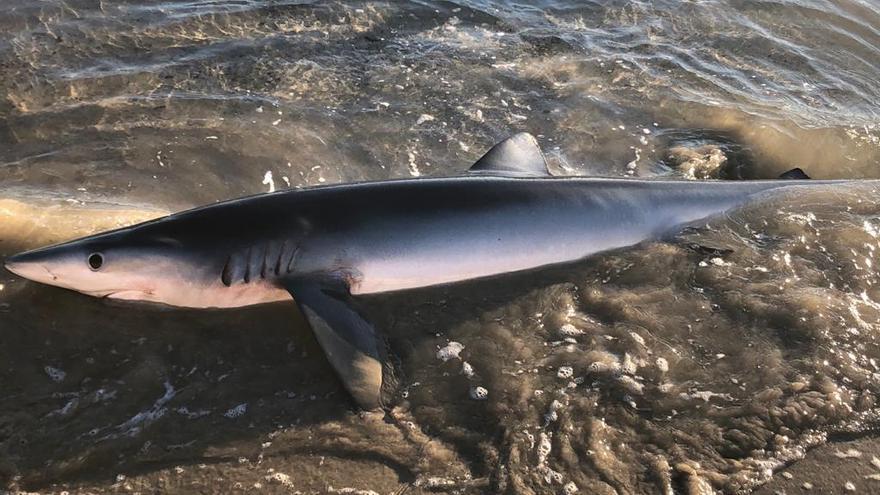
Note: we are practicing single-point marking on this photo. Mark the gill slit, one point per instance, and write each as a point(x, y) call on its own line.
point(267, 266)
point(265, 263)
point(280, 257)
point(292, 263)
point(226, 274)
point(247, 266)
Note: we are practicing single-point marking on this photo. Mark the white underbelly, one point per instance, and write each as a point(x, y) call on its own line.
point(217, 296)
point(469, 262)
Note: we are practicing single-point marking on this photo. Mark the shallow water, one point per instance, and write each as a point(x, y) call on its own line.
point(705, 362)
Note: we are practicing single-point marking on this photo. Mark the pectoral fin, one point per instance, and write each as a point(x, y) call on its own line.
point(348, 340)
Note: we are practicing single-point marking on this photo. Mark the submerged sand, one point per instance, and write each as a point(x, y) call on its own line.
point(714, 361)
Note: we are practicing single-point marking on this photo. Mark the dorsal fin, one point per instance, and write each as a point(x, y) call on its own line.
point(517, 155)
point(794, 174)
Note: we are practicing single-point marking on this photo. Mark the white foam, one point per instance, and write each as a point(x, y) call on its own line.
point(269, 181)
point(55, 374)
point(67, 409)
point(237, 411)
point(466, 369)
point(662, 365)
point(545, 446)
point(413, 168)
point(280, 479)
point(137, 422)
point(450, 351)
point(352, 491)
point(569, 330)
point(479, 393)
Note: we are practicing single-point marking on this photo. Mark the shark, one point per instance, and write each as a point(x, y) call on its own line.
point(322, 247)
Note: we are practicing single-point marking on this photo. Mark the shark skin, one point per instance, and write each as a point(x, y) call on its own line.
point(323, 246)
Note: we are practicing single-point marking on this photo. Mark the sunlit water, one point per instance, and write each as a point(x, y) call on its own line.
point(699, 363)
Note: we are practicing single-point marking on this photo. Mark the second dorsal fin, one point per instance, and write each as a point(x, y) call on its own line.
point(795, 174)
point(517, 155)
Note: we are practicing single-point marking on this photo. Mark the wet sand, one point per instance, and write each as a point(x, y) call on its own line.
point(707, 361)
point(842, 466)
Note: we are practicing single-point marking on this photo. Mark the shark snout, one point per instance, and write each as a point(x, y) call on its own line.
point(13, 264)
point(27, 266)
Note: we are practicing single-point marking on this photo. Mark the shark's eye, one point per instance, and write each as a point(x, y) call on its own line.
point(95, 261)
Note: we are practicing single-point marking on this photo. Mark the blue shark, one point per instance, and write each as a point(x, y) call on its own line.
point(324, 246)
